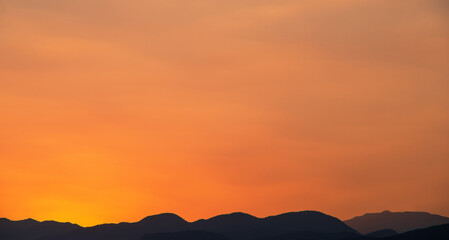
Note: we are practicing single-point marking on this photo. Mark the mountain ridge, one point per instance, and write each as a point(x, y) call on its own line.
point(233, 226)
point(31, 229)
point(397, 221)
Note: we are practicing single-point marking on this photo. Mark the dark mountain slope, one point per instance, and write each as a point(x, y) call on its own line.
point(398, 221)
point(305, 221)
point(244, 226)
point(236, 226)
point(440, 232)
point(166, 222)
point(184, 235)
point(31, 229)
point(313, 236)
point(382, 233)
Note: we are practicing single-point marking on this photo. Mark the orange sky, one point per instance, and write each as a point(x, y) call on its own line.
point(114, 110)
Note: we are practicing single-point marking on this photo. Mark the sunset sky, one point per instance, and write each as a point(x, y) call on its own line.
point(114, 110)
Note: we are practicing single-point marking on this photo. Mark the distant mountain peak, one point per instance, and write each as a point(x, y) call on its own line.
point(163, 217)
point(306, 212)
point(303, 214)
point(240, 214)
point(234, 215)
point(398, 221)
point(28, 220)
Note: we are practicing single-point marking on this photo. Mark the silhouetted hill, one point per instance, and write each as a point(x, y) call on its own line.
point(184, 235)
point(305, 221)
point(382, 233)
point(236, 226)
point(440, 232)
point(313, 236)
point(306, 225)
point(398, 221)
point(227, 220)
point(30, 229)
point(163, 222)
point(244, 226)
point(166, 222)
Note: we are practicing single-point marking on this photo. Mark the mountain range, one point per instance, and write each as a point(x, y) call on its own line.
point(305, 225)
point(397, 221)
point(30, 229)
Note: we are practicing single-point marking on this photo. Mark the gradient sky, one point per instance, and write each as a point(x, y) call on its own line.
point(115, 110)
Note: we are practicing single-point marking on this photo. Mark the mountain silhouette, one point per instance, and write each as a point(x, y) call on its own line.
point(440, 232)
point(244, 226)
point(308, 235)
point(166, 222)
point(163, 222)
point(382, 233)
point(30, 229)
point(306, 225)
point(184, 235)
point(397, 221)
point(235, 226)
